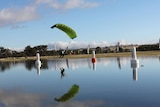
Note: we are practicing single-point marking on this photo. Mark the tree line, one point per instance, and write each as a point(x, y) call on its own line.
point(43, 50)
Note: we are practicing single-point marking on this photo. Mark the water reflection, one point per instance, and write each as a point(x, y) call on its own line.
point(38, 70)
point(134, 63)
point(112, 88)
point(70, 94)
point(30, 64)
point(119, 62)
point(56, 64)
point(85, 103)
point(89, 62)
point(65, 63)
point(135, 71)
point(62, 72)
point(94, 66)
point(16, 98)
point(5, 65)
point(38, 63)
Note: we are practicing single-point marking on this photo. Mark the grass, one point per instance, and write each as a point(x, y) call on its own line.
point(121, 54)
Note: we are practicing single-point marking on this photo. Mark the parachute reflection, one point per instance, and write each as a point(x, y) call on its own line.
point(70, 94)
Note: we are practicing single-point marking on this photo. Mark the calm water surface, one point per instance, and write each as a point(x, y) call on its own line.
point(111, 82)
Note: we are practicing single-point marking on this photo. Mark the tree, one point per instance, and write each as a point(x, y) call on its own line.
point(98, 50)
point(5, 52)
point(28, 51)
point(42, 49)
point(148, 47)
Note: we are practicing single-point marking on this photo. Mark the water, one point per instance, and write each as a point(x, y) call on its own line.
point(111, 82)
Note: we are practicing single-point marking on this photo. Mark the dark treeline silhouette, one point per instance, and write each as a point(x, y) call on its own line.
point(43, 50)
point(29, 51)
point(148, 47)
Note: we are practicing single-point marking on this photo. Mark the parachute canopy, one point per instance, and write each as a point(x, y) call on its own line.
point(69, 31)
point(70, 94)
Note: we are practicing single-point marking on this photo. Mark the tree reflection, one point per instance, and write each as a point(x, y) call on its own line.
point(44, 64)
point(29, 64)
point(4, 66)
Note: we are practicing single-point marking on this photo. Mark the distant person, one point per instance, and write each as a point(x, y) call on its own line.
point(62, 54)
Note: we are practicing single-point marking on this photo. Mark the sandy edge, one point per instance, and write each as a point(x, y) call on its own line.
point(122, 54)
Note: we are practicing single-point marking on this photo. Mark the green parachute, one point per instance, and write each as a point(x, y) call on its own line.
point(70, 94)
point(69, 31)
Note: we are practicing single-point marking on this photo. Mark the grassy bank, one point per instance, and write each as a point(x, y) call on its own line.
point(122, 54)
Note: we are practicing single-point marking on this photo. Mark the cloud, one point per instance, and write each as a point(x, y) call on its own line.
point(58, 45)
point(99, 44)
point(88, 103)
point(76, 45)
point(72, 45)
point(12, 16)
point(16, 26)
point(16, 98)
point(68, 4)
point(20, 99)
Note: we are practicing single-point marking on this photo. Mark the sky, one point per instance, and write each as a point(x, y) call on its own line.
point(96, 22)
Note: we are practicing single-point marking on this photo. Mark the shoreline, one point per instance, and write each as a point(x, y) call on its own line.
point(104, 55)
